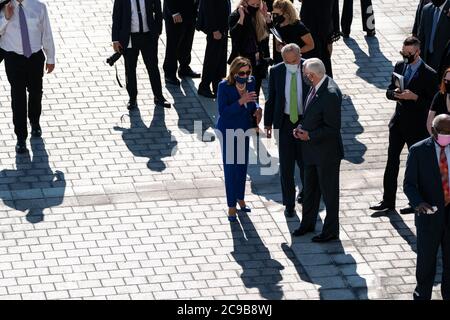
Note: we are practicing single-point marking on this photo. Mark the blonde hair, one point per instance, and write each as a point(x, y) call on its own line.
point(235, 66)
point(288, 10)
point(259, 22)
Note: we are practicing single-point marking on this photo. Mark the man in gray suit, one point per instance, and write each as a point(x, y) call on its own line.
point(283, 112)
point(434, 31)
point(322, 150)
point(426, 185)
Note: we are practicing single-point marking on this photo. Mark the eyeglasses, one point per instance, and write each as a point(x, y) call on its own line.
point(244, 73)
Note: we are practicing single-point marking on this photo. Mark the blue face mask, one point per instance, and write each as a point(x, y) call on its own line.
point(241, 80)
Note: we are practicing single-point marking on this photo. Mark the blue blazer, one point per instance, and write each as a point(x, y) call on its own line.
point(231, 114)
point(423, 183)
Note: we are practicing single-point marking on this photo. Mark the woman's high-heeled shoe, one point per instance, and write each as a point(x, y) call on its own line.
point(232, 215)
point(245, 208)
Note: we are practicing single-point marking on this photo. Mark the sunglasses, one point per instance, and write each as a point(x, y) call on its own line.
point(244, 73)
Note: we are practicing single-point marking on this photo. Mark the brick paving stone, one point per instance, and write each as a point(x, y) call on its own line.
point(133, 220)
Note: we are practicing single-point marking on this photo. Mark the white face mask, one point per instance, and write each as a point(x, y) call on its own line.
point(291, 68)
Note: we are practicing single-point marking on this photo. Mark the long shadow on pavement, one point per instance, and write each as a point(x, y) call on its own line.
point(326, 265)
point(354, 150)
point(374, 67)
point(34, 186)
point(259, 270)
point(154, 142)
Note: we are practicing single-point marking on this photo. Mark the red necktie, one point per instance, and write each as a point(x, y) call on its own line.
point(443, 167)
point(310, 97)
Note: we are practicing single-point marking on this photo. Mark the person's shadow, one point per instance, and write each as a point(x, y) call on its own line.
point(49, 186)
point(353, 149)
point(154, 142)
point(374, 67)
point(192, 118)
point(337, 272)
point(259, 270)
point(405, 232)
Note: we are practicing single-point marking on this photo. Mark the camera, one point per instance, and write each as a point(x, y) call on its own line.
point(113, 59)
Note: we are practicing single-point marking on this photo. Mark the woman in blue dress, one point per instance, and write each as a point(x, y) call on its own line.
point(239, 114)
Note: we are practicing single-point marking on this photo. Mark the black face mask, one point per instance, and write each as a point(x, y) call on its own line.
point(252, 10)
point(438, 3)
point(277, 19)
point(408, 59)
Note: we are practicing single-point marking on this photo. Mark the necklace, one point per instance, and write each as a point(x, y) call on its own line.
point(241, 89)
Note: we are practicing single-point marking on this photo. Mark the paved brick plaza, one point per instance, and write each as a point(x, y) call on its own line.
point(111, 206)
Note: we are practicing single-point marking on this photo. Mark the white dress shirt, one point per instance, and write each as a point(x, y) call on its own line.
point(287, 92)
point(447, 154)
point(38, 25)
point(135, 16)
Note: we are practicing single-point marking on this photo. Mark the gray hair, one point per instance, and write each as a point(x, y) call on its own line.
point(316, 66)
point(291, 47)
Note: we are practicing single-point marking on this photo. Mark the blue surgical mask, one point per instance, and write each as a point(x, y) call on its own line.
point(241, 80)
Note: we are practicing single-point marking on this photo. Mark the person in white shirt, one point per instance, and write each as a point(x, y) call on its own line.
point(136, 27)
point(25, 37)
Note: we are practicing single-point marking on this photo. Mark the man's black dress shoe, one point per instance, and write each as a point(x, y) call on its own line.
point(289, 213)
point(324, 238)
point(407, 210)
point(245, 209)
point(189, 73)
point(302, 231)
point(132, 105)
point(21, 146)
point(206, 93)
point(162, 102)
point(36, 130)
point(382, 206)
point(172, 80)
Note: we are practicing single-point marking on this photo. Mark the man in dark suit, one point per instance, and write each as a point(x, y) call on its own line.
point(322, 148)
point(179, 17)
point(137, 25)
point(283, 112)
point(426, 185)
point(367, 15)
point(420, 6)
point(408, 124)
point(434, 31)
point(319, 17)
point(213, 21)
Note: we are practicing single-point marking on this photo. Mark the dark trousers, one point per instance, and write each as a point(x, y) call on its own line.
point(428, 242)
point(178, 46)
point(321, 51)
point(368, 20)
point(290, 153)
point(215, 63)
point(235, 166)
point(25, 74)
point(322, 180)
point(147, 44)
point(397, 141)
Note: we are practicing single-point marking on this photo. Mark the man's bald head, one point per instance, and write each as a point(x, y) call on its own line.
point(441, 124)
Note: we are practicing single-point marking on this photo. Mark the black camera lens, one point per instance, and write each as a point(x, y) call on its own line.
point(113, 59)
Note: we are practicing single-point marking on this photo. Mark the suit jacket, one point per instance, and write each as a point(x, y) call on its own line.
point(442, 35)
point(121, 27)
point(213, 15)
point(231, 114)
point(187, 9)
point(411, 116)
point(322, 120)
point(423, 183)
point(274, 108)
point(422, 3)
